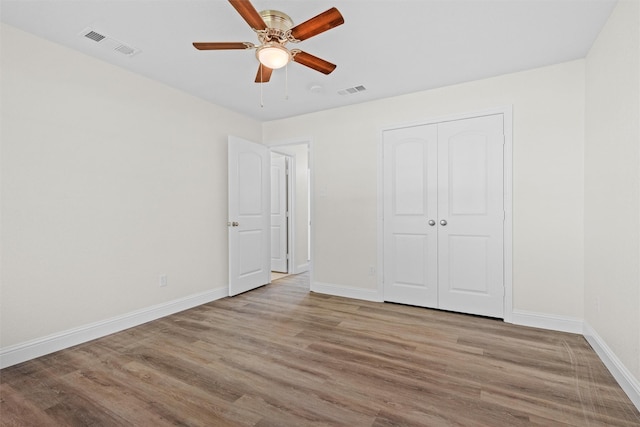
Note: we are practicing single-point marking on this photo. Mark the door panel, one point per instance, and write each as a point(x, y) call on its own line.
point(470, 200)
point(249, 183)
point(467, 183)
point(468, 264)
point(249, 219)
point(409, 178)
point(250, 259)
point(279, 214)
point(409, 251)
point(410, 243)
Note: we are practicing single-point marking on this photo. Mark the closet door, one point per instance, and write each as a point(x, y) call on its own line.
point(410, 203)
point(443, 213)
point(471, 216)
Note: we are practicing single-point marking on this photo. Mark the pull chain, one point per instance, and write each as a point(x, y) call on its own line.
point(261, 84)
point(286, 82)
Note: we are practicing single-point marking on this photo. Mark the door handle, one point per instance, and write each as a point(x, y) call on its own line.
point(235, 224)
point(432, 222)
point(443, 222)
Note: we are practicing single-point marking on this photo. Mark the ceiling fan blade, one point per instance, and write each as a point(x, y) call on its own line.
point(264, 74)
point(314, 62)
point(222, 45)
point(249, 14)
point(318, 24)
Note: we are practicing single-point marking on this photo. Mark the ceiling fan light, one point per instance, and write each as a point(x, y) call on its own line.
point(273, 55)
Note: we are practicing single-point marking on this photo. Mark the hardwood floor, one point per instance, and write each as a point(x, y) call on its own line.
point(281, 356)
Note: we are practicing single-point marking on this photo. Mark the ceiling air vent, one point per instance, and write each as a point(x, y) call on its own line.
point(96, 37)
point(352, 90)
point(109, 43)
point(125, 49)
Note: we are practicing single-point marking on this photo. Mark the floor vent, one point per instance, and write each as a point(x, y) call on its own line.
point(352, 90)
point(108, 42)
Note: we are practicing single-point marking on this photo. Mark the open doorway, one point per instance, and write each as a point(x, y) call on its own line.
point(290, 207)
point(280, 216)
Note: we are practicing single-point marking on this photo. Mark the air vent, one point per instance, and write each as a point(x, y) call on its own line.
point(109, 43)
point(352, 90)
point(96, 37)
point(125, 49)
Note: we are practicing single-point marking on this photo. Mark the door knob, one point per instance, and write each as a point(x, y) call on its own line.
point(234, 224)
point(443, 222)
point(432, 222)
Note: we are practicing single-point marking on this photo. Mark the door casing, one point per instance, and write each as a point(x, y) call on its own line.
point(284, 148)
point(281, 188)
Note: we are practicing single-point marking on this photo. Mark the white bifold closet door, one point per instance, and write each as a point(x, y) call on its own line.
point(444, 215)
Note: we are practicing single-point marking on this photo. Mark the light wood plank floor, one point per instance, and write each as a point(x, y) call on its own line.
point(281, 356)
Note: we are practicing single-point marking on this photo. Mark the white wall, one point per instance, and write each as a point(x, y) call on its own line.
point(612, 186)
point(548, 137)
point(108, 180)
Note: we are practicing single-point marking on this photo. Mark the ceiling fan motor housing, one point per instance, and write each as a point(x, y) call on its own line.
point(276, 19)
point(278, 25)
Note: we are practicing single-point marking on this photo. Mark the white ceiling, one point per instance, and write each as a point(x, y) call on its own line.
point(391, 47)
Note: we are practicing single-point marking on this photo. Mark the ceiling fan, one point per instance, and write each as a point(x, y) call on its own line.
point(275, 29)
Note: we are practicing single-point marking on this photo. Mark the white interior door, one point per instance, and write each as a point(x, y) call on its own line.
point(410, 191)
point(444, 215)
point(279, 218)
point(470, 203)
point(249, 215)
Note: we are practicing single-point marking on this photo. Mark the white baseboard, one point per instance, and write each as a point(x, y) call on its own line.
point(345, 291)
point(547, 321)
point(627, 381)
point(22, 352)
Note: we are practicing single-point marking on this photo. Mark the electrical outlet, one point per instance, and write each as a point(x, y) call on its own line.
point(372, 270)
point(163, 280)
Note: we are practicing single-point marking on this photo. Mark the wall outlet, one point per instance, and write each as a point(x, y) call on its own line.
point(163, 280)
point(372, 270)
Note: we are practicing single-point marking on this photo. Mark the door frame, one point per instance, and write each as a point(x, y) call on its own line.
point(291, 200)
point(507, 112)
point(280, 147)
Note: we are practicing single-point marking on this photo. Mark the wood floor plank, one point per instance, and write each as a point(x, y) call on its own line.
point(103, 389)
point(283, 356)
point(17, 410)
